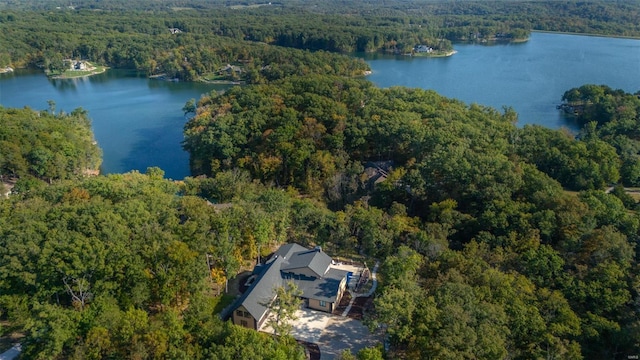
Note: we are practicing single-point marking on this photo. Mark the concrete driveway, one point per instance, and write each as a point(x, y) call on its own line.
point(310, 325)
point(332, 333)
point(345, 333)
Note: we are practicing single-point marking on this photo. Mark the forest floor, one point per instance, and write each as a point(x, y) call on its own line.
point(633, 192)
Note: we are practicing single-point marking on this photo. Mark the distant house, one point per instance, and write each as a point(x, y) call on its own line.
point(230, 70)
point(377, 172)
point(80, 66)
point(175, 30)
point(310, 269)
point(422, 49)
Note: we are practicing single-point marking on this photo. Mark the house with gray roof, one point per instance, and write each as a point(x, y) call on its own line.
point(310, 269)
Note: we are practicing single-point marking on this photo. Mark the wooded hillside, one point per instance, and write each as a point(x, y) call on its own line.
point(494, 241)
point(46, 146)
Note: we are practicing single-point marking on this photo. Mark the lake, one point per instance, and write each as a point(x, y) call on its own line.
point(138, 122)
point(530, 77)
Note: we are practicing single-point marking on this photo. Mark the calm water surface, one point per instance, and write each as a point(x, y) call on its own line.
point(137, 122)
point(530, 77)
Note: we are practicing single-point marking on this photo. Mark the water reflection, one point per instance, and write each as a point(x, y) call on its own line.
point(65, 85)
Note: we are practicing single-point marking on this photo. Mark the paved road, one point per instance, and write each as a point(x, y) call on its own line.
point(11, 353)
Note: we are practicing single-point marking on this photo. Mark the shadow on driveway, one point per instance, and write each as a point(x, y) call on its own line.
point(344, 333)
point(332, 333)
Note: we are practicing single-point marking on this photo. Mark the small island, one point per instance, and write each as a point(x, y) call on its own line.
point(75, 69)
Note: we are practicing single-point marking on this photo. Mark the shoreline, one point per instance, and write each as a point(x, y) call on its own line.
point(431, 55)
point(70, 74)
point(163, 77)
point(587, 34)
point(221, 82)
point(6, 70)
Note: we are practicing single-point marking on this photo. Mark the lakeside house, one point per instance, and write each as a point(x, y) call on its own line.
point(230, 70)
point(80, 66)
point(77, 65)
point(423, 49)
point(310, 269)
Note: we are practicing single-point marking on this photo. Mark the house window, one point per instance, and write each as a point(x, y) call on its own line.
point(244, 323)
point(246, 314)
point(323, 303)
point(239, 312)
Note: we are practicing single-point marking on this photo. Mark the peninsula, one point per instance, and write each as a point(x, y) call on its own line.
point(75, 69)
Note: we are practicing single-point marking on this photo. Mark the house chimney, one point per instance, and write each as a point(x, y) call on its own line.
point(318, 248)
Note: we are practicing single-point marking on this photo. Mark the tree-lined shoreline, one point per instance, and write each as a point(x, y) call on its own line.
point(494, 241)
point(205, 41)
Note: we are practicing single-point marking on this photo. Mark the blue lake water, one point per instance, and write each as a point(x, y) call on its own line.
point(530, 77)
point(138, 122)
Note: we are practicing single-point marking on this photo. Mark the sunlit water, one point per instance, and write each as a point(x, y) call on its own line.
point(530, 77)
point(138, 122)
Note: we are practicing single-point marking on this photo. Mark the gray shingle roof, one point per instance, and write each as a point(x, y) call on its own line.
point(292, 258)
point(256, 298)
point(314, 260)
point(325, 289)
point(287, 249)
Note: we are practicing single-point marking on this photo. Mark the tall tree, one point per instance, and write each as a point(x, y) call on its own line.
point(283, 308)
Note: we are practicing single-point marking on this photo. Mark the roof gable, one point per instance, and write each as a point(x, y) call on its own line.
point(301, 262)
point(291, 259)
point(257, 297)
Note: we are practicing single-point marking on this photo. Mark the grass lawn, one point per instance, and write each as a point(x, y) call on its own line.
point(436, 53)
point(634, 192)
point(216, 78)
point(70, 74)
point(212, 77)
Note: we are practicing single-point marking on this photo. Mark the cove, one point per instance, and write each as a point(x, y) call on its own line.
point(530, 77)
point(137, 122)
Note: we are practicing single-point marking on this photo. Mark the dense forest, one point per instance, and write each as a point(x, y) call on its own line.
point(115, 268)
point(494, 241)
point(215, 34)
point(46, 146)
point(488, 254)
point(485, 253)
